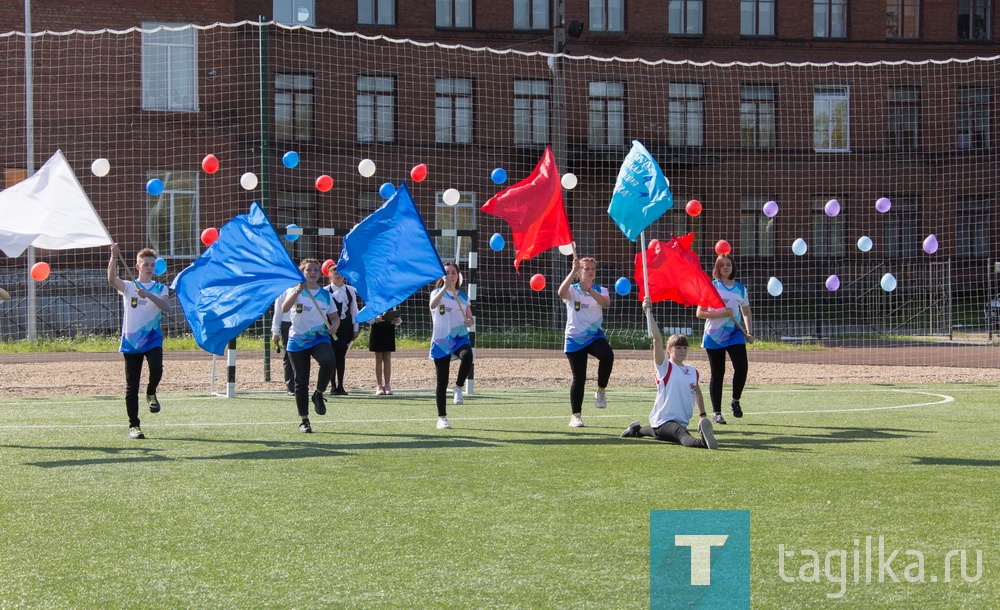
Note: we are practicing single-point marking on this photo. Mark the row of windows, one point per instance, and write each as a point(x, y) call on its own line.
point(685, 17)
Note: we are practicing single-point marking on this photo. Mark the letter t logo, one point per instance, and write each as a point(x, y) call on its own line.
point(701, 555)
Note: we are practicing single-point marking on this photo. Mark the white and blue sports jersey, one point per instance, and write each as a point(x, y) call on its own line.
point(141, 321)
point(675, 387)
point(584, 318)
point(450, 331)
point(723, 332)
point(308, 323)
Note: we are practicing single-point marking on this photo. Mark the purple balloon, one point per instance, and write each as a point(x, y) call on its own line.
point(832, 283)
point(832, 207)
point(883, 204)
point(770, 209)
point(931, 244)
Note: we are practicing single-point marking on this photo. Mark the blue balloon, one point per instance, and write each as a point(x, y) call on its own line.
point(497, 242)
point(387, 190)
point(290, 159)
point(154, 187)
point(623, 286)
point(291, 237)
point(160, 266)
point(499, 175)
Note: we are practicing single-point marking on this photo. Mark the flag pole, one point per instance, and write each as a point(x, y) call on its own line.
point(645, 282)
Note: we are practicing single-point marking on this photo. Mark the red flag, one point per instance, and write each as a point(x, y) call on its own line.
point(534, 210)
point(675, 274)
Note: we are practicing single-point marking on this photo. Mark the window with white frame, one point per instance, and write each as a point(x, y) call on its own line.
point(293, 107)
point(169, 67)
point(531, 112)
point(830, 18)
point(902, 119)
point(461, 217)
point(685, 17)
point(757, 118)
point(831, 119)
point(172, 216)
point(294, 12)
point(756, 230)
point(902, 19)
point(606, 125)
point(687, 114)
point(453, 110)
point(901, 234)
point(827, 231)
point(973, 118)
point(377, 12)
point(376, 108)
point(972, 227)
point(757, 17)
point(531, 14)
point(607, 16)
point(974, 19)
point(453, 13)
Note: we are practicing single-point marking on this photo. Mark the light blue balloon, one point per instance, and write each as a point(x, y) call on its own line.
point(774, 287)
point(497, 242)
point(387, 190)
point(799, 247)
point(865, 243)
point(154, 187)
point(623, 286)
point(291, 237)
point(888, 282)
point(499, 175)
point(290, 159)
point(160, 266)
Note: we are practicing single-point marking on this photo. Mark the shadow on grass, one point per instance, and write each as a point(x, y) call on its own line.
point(809, 435)
point(933, 461)
point(121, 455)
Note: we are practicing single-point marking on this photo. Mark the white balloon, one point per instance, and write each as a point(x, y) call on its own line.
point(774, 287)
point(569, 181)
point(100, 167)
point(865, 243)
point(799, 247)
point(366, 168)
point(248, 181)
point(888, 282)
point(451, 196)
point(568, 249)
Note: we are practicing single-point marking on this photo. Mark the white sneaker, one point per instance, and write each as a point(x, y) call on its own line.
point(707, 435)
point(576, 422)
point(458, 396)
point(600, 399)
point(443, 424)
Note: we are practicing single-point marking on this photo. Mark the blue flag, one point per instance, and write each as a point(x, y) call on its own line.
point(235, 280)
point(642, 193)
point(389, 255)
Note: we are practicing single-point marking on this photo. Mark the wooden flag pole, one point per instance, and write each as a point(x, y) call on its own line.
point(645, 283)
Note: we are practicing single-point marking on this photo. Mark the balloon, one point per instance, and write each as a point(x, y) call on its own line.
point(623, 286)
point(567, 249)
point(210, 164)
point(832, 283)
point(387, 190)
point(774, 287)
point(100, 167)
point(328, 266)
point(248, 181)
point(888, 282)
point(366, 168)
point(799, 247)
point(832, 207)
point(209, 235)
point(770, 209)
point(931, 244)
point(722, 247)
point(883, 204)
point(291, 236)
point(497, 242)
point(451, 196)
point(865, 243)
point(324, 183)
point(693, 208)
point(569, 181)
point(419, 172)
point(154, 187)
point(290, 159)
point(40, 271)
point(537, 282)
point(498, 176)
point(160, 266)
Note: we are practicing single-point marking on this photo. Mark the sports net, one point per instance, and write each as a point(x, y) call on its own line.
point(736, 137)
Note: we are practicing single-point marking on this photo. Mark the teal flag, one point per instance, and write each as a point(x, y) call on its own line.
point(642, 193)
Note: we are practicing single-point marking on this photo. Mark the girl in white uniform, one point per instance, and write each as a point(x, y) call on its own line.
point(451, 316)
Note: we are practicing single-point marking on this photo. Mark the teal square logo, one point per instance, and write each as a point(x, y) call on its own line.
point(699, 559)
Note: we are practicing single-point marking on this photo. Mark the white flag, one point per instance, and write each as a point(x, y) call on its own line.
point(49, 210)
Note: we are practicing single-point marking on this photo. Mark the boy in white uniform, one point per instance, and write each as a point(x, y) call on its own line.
point(677, 392)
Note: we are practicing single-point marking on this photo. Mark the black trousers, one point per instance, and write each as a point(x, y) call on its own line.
point(323, 354)
point(443, 367)
point(340, 346)
point(717, 368)
point(133, 374)
point(286, 361)
point(599, 349)
point(672, 432)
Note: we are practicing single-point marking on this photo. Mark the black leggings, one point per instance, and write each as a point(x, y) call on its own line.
point(340, 355)
point(443, 367)
point(133, 373)
point(717, 367)
point(599, 349)
point(672, 432)
point(323, 353)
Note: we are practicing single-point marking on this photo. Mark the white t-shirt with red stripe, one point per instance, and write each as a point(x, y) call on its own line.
point(675, 391)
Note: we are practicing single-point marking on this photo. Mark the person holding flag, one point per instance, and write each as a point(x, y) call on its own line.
point(451, 318)
point(585, 305)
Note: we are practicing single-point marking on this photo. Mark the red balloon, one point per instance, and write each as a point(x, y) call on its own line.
point(210, 164)
point(693, 207)
point(324, 183)
point(419, 172)
point(328, 266)
point(40, 271)
point(722, 247)
point(537, 282)
point(209, 235)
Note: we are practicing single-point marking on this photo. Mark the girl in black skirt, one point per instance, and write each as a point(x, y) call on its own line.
point(382, 341)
